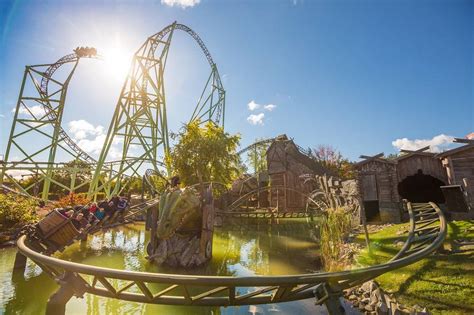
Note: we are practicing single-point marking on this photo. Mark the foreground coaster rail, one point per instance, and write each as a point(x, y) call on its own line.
point(427, 232)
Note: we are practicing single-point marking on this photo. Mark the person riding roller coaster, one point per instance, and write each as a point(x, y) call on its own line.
point(85, 51)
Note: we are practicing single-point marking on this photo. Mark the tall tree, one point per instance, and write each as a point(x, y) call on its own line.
point(332, 159)
point(205, 154)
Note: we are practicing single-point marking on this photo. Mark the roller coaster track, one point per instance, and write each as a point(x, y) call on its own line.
point(427, 232)
point(157, 39)
point(311, 203)
point(50, 111)
point(256, 144)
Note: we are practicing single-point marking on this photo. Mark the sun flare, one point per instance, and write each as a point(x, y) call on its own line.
point(117, 61)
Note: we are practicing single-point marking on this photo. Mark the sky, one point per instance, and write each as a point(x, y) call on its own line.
point(362, 76)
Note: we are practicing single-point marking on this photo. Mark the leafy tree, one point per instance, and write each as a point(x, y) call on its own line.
point(333, 160)
point(134, 186)
point(63, 176)
point(73, 200)
point(16, 210)
point(205, 154)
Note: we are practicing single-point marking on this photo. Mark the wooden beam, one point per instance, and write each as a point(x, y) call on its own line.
point(371, 157)
point(462, 140)
point(416, 151)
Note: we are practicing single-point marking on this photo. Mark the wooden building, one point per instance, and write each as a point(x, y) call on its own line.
point(459, 167)
point(286, 162)
point(446, 178)
point(378, 182)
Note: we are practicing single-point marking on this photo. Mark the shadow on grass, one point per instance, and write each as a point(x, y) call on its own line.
point(443, 304)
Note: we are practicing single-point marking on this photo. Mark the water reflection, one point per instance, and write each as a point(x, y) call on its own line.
point(244, 249)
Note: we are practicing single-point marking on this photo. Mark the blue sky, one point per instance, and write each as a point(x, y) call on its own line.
point(354, 74)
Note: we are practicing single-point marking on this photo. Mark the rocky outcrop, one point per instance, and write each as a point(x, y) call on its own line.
point(369, 298)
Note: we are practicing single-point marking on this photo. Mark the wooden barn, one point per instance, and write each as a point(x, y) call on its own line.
point(459, 168)
point(378, 181)
point(446, 178)
point(286, 162)
point(420, 176)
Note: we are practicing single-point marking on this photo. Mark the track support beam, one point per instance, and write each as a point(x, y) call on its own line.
point(70, 285)
point(330, 298)
point(19, 265)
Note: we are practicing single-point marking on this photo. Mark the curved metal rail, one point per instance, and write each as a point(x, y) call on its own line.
point(156, 40)
point(316, 204)
point(256, 144)
point(427, 233)
point(63, 135)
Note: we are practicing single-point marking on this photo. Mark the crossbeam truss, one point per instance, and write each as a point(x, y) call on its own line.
point(427, 232)
point(140, 120)
point(139, 124)
point(36, 136)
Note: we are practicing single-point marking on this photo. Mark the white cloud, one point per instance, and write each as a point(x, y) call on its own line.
point(36, 110)
point(81, 129)
point(256, 119)
point(437, 143)
point(180, 3)
point(269, 107)
point(18, 174)
point(2, 116)
point(91, 138)
point(253, 106)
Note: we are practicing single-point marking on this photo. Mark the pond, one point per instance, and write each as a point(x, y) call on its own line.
point(243, 248)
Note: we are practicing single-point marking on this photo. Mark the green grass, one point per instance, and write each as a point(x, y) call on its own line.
point(443, 283)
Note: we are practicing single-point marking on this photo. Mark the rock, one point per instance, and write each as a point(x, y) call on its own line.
point(424, 311)
point(375, 296)
point(369, 308)
point(367, 286)
point(352, 297)
point(381, 308)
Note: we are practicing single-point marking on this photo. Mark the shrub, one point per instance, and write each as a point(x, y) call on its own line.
point(72, 200)
point(15, 210)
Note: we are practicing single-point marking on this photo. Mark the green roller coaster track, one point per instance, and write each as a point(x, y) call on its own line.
point(37, 140)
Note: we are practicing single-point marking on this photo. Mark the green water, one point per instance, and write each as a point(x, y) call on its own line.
point(242, 250)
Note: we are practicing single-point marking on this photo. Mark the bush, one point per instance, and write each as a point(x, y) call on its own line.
point(16, 210)
point(72, 200)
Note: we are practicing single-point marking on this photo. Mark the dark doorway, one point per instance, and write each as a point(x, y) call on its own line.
point(421, 188)
point(372, 211)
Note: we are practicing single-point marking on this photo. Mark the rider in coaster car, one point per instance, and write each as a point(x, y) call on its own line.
point(122, 206)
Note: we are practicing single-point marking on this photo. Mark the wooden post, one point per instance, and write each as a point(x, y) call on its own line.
point(153, 225)
point(363, 219)
point(207, 231)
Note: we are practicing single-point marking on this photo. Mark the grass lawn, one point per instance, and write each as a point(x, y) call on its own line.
point(443, 283)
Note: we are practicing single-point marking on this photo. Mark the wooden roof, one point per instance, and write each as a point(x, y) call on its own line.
point(469, 145)
point(375, 158)
point(410, 153)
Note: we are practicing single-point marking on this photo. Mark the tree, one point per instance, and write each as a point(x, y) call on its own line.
point(333, 160)
point(205, 154)
point(64, 175)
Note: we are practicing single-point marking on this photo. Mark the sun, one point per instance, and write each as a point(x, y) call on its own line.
point(116, 61)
